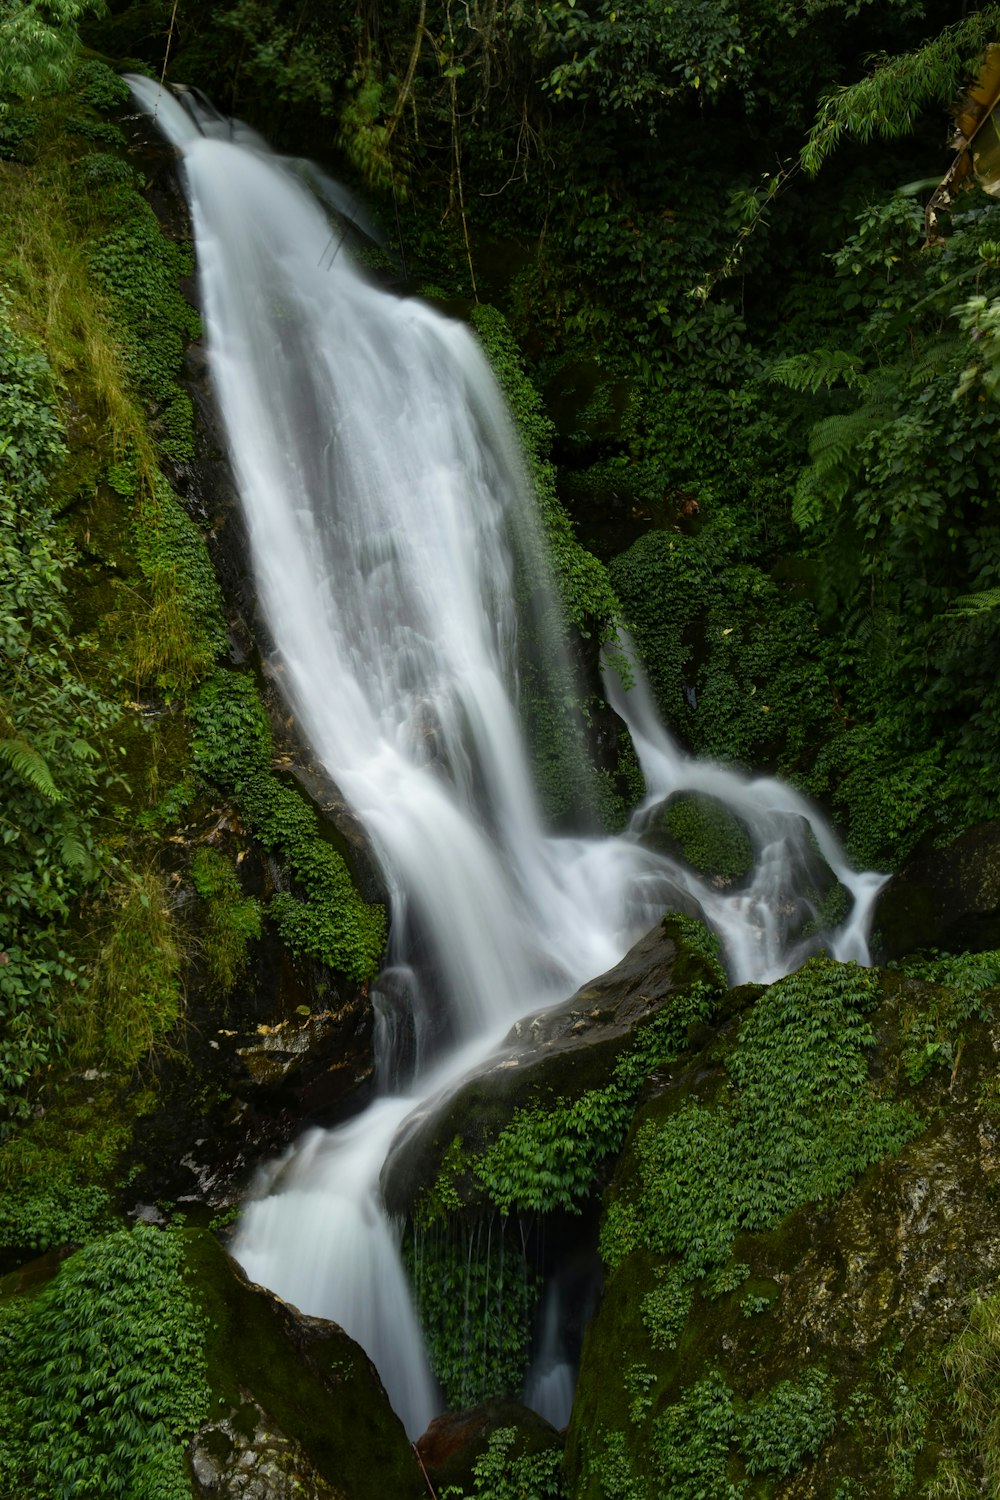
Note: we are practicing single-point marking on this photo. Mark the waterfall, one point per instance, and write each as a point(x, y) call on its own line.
point(381, 481)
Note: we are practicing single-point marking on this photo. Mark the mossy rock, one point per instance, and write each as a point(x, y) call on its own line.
point(453, 1442)
point(558, 1054)
point(813, 1355)
point(705, 833)
point(296, 1393)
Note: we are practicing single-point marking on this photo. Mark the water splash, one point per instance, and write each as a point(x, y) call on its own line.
point(381, 481)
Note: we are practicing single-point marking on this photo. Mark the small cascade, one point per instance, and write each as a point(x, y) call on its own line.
point(551, 1380)
point(382, 484)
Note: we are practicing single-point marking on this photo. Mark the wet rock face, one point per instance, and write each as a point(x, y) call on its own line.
point(247, 1457)
point(948, 898)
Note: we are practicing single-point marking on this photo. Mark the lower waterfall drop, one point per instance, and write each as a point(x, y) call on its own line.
point(381, 481)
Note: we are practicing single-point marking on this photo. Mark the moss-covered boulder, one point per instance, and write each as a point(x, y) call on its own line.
point(146, 1364)
point(803, 1255)
point(705, 833)
point(562, 1054)
point(297, 1407)
point(455, 1442)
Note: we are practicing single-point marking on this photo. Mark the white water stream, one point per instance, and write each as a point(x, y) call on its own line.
point(381, 479)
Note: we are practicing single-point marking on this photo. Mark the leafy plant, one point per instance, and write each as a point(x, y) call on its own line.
point(109, 1373)
point(502, 1474)
point(801, 1122)
point(475, 1293)
point(783, 1428)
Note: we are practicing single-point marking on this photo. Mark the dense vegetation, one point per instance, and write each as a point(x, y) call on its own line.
point(758, 385)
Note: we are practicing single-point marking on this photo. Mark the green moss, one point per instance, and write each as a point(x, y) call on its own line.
point(139, 271)
point(232, 751)
point(587, 597)
point(136, 991)
point(711, 838)
point(179, 640)
point(231, 921)
point(798, 1121)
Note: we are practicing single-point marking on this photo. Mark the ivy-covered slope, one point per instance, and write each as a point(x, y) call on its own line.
point(801, 1253)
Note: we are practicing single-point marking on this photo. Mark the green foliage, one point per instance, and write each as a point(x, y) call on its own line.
point(475, 1294)
point(35, 1216)
point(18, 129)
point(108, 1373)
point(735, 660)
point(232, 920)
point(889, 101)
point(691, 1442)
point(705, 1440)
point(136, 991)
point(501, 1474)
point(971, 1364)
point(50, 718)
point(783, 1428)
point(184, 632)
point(100, 86)
point(139, 270)
point(232, 751)
point(711, 838)
point(801, 1121)
point(665, 1309)
point(38, 44)
point(547, 1157)
point(727, 1279)
point(587, 599)
point(934, 1014)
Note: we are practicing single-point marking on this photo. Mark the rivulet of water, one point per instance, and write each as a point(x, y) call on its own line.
point(381, 481)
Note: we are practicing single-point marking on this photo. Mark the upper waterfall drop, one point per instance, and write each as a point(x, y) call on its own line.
point(381, 481)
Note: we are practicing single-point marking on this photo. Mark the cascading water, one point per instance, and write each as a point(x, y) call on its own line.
point(381, 482)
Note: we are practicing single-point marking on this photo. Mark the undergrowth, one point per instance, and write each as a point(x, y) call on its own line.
point(104, 1376)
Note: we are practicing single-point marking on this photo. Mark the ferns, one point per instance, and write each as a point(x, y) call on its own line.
point(31, 767)
point(821, 368)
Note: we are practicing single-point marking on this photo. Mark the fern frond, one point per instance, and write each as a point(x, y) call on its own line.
point(808, 502)
point(823, 367)
point(834, 438)
point(968, 606)
point(31, 767)
point(73, 854)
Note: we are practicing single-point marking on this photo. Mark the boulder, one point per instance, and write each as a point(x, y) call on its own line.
point(944, 898)
point(298, 1407)
point(558, 1053)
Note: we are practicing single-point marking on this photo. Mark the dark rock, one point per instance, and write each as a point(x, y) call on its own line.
point(947, 898)
point(453, 1442)
point(298, 1407)
point(561, 1052)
